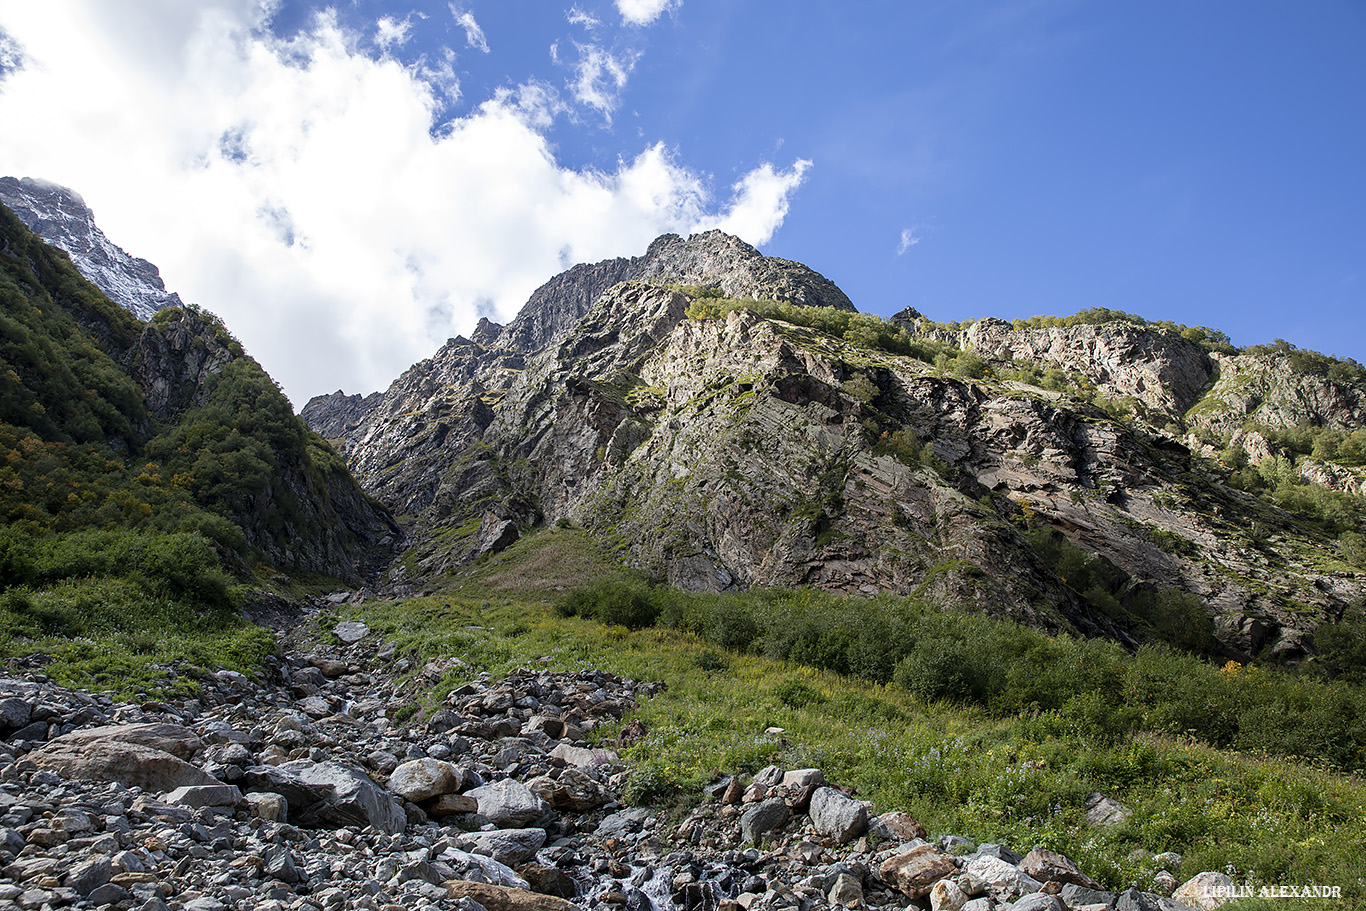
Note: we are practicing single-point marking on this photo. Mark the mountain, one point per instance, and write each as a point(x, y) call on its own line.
point(61, 218)
point(109, 423)
point(723, 419)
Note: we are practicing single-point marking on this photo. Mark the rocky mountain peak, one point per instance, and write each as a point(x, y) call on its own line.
point(711, 259)
point(61, 218)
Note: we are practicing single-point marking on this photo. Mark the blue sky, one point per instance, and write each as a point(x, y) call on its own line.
point(349, 185)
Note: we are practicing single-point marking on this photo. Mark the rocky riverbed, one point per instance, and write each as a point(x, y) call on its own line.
point(313, 791)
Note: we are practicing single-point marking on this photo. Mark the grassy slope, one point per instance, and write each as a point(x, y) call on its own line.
point(957, 770)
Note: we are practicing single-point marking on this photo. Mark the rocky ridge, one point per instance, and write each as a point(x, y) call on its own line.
point(746, 450)
point(309, 792)
point(61, 217)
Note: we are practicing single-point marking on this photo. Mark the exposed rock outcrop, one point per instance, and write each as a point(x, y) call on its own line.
point(61, 217)
point(746, 451)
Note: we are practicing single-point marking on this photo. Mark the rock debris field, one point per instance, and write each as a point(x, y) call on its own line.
point(307, 793)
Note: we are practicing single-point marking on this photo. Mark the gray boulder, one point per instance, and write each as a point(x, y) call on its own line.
point(623, 822)
point(1002, 881)
point(838, 816)
point(1105, 812)
point(175, 739)
point(328, 795)
point(574, 790)
point(422, 779)
point(213, 795)
point(351, 631)
point(129, 764)
point(508, 804)
point(15, 713)
point(510, 847)
point(762, 818)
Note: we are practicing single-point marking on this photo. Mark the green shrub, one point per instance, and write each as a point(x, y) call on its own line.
point(633, 605)
point(1061, 685)
point(940, 669)
point(795, 694)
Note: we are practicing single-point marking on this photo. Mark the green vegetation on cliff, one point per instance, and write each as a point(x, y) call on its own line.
point(120, 530)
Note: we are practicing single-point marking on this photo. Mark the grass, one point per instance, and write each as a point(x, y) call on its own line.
point(113, 635)
point(1020, 780)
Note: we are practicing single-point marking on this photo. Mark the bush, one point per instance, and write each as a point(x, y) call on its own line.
point(796, 693)
point(630, 604)
point(1059, 684)
point(941, 669)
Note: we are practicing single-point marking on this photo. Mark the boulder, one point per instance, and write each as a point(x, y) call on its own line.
point(838, 816)
point(179, 741)
point(1106, 813)
point(1079, 896)
point(1206, 891)
point(422, 779)
point(15, 713)
point(351, 632)
point(88, 875)
point(502, 898)
point(897, 826)
point(915, 872)
point(477, 867)
point(213, 795)
point(762, 818)
point(328, 795)
point(803, 778)
point(129, 764)
point(946, 896)
point(508, 804)
point(575, 791)
point(507, 846)
point(1002, 881)
point(1051, 867)
point(846, 890)
point(267, 806)
point(765, 780)
point(1134, 900)
point(623, 822)
point(1036, 901)
point(450, 805)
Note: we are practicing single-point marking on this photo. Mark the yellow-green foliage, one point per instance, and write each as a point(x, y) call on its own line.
point(118, 609)
point(864, 330)
point(1210, 339)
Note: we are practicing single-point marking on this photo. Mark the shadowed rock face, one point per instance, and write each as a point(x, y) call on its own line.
point(747, 451)
point(60, 217)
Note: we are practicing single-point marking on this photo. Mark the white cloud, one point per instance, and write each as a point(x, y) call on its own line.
point(644, 12)
point(599, 76)
point(474, 35)
point(908, 240)
point(761, 200)
point(390, 32)
point(299, 190)
point(576, 16)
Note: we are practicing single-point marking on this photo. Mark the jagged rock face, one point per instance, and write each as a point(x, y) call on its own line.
point(1160, 369)
point(335, 416)
point(747, 451)
point(557, 305)
point(174, 360)
point(738, 270)
point(60, 217)
point(1261, 389)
